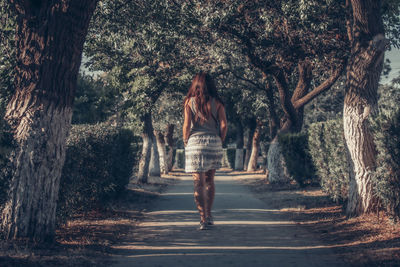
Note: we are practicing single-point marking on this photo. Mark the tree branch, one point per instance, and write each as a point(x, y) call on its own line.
point(248, 49)
point(303, 84)
point(348, 21)
point(247, 80)
point(283, 89)
point(320, 89)
point(273, 117)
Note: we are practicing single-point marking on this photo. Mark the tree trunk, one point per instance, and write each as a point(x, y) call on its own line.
point(248, 147)
point(49, 40)
point(239, 147)
point(293, 119)
point(169, 139)
point(273, 119)
point(363, 73)
point(154, 159)
point(252, 165)
point(162, 150)
point(276, 164)
point(144, 162)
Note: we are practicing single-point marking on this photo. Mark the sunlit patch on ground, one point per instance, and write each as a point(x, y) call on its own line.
point(368, 240)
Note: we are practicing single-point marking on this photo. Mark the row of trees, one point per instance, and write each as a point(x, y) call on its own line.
point(271, 59)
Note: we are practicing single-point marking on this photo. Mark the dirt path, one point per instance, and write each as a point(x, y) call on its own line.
point(246, 233)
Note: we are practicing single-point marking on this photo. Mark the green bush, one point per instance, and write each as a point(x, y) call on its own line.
point(330, 157)
point(297, 158)
point(98, 165)
point(386, 177)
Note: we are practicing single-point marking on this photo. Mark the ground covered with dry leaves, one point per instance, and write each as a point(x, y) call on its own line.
point(369, 240)
point(85, 240)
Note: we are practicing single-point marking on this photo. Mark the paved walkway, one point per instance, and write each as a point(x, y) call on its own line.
point(246, 233)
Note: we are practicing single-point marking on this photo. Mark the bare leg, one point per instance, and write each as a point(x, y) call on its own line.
point(210, 191)
point(199, 193)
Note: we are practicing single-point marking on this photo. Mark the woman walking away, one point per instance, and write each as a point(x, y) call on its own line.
point(204, 130)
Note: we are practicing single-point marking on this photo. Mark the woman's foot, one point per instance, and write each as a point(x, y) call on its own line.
point(210, 220)
point(203, 225)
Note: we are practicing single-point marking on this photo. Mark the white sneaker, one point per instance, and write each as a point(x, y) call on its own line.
point(203, 226)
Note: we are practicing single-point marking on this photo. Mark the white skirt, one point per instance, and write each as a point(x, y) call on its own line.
point(203, 153)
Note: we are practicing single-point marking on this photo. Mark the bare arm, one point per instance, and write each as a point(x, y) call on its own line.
point(222, 121)
point(186, 122)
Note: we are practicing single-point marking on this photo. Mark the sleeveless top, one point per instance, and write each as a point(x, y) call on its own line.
point(209, 126)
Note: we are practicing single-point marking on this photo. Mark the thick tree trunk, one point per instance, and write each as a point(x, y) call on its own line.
point(169, 139)
point(248, 147)
point(252, 165)
point(40, 110)
point(239, 147)
point(49, 40)
point(363, 73)
point(154, 168)
point(276, 173)
point(162, 150)
point(147, 137)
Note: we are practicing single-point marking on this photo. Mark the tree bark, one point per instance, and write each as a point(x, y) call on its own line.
point(239, 146)
point(248, 145)
point(276, 169)
point(363, 73)
point(169, 139)
point(154, 168)
point(273, 119)
point(252, 165)
point(147, 139)
point(162, 150)
point(49, 39)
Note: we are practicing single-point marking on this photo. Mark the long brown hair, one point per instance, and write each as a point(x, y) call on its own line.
point(202, 88)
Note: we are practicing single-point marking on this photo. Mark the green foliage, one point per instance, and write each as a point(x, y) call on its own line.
point(98, 165)
point(389, 96)
point(139, 44)
point(298, 160)
point(95, 100)
point(7, 67)
point(386, 177)
point(7, 54)
point(328, 105)
point(391, 19)
point(330, 157)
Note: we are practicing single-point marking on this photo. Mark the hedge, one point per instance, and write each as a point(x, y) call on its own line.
point(298, 160)
point(99, 162)
point(386, 177)
point(330, 157)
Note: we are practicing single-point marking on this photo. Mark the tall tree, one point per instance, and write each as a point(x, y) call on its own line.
point(368, 43)
point(49, 43)
point(140, 44)
point(297, 44)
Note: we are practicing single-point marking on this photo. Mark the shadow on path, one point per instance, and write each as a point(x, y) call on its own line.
point(246, 233)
